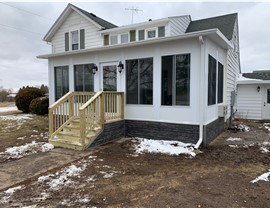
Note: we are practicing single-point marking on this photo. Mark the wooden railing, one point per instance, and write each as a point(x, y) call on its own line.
point(102, 107)
point(65, 109)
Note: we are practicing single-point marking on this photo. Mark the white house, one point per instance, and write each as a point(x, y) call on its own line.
point(176, 76)
point(253, 95)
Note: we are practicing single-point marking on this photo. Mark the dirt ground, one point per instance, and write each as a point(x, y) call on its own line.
point(115, 176)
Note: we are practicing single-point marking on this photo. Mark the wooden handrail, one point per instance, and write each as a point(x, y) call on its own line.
point(91, 100)
point(61, 100)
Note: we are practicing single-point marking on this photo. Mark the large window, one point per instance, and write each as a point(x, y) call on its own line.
point(61, 81)
point(124, 38)
point(220, 83)
point(84, 80)
point(212, 77)
point(175, 87)
point(114, 39)
point(139, 81)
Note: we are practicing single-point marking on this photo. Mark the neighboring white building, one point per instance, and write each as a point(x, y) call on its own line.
point(253, 96)
point(177, 75)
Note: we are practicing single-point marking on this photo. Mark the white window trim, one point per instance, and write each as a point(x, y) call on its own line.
point(150, 29)
point(137, 35)
point(121, 38)
point(70, 39)
point(117, 37)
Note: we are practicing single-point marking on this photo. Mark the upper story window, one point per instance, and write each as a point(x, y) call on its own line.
point(114, 39)
point(75, 40)
point(141, 34)
point(124, 38)
point(151, 33)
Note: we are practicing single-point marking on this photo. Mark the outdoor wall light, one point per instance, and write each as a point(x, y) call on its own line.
point(120, 67)
point(94, 69)
point(258, 88)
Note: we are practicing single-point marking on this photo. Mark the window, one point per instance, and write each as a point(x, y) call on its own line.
point(151, 33)
point(132, 35)
point(220, 83)
point(212, 65)
point(175, 86)
point(75, 40)
point(268, 95)
point(84, 80)
point(141, 34)
point(124, 38)
point(114, 39)
point(139, 81)
point(161, 31)
point(61, 81)
point(106, 39)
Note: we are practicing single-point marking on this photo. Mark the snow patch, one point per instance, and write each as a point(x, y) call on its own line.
point(16, 117)
point(263, 177)
point(164, 147)
point(27, 149)
point(11, 191)
point(8, 109)
point(234, 139)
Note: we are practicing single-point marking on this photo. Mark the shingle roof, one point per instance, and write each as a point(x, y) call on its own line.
point(224, 23)
point(98, 20)
point(264, 75)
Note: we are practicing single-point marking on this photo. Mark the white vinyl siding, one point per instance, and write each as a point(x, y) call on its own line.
point(76, 22)
point(178, 25)
point(233, 69)
point(249, 102)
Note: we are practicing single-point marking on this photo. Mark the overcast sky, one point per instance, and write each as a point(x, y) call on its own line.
point(19, 48)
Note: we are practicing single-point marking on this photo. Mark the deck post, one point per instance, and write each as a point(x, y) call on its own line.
point(50, 123)
point(71, 106)
point(122, 112)
point(102, 109)
point(82, 127)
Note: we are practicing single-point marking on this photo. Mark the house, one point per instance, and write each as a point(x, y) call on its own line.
point(253, 95)
point(170, 78)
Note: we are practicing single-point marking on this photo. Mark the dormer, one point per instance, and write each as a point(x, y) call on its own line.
point(76, 29)
point(153, 29)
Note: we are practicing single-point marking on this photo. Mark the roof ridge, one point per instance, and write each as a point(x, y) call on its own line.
point(209, 18)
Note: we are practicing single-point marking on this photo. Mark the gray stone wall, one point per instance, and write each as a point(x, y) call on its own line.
point(111, 131)
point(212, 130)
point(162, 131)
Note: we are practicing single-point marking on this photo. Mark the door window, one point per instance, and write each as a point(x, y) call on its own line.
point(109, 78)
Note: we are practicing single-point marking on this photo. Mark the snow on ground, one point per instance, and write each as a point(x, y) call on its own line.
point(16, 117)
point(63, 177)
point(233, 139)
point(263, 177)
point(8, 193)
point(265, 146)
point(242, 127)
point(164, 147)
point(267, 126)
point(8, 109)
point(27, 149)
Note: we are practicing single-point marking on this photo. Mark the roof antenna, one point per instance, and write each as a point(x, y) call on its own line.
point(133, 9)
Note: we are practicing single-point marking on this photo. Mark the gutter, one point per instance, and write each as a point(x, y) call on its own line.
point(201, 96)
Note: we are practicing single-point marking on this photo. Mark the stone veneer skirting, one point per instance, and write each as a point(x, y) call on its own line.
point(159, 131)
point(212, 130)
point(162, 131)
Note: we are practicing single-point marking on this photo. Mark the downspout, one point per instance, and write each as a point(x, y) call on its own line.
point(201, 95)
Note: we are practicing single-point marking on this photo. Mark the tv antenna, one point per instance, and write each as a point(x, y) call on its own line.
point(133, 9)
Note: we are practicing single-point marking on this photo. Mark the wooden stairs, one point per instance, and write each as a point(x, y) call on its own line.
point(69, 137)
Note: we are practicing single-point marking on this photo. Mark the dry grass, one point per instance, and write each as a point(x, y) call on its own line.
point(6, 104)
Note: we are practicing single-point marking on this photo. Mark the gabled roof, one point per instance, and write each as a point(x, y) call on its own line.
point(224, 23)
point(263, 75)
point(105, 24)
point(100, 23)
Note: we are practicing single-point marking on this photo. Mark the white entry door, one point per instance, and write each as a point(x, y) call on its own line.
point(109, 76)
point(266, 104)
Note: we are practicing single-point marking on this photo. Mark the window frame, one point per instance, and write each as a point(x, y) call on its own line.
point(62, 68)
point(83, 70)
point(128, 38)
point(112, 36)
point(212, 82)
point(220, 84)
point(139, 87)
point(149, 30)
point(174, 81)
point(71, 40)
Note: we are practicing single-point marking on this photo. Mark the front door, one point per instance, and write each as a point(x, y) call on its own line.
point(266, 104)
point(109, 77)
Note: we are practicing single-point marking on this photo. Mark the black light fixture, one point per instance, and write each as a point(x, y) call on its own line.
point(94, 69)
point(258, 88)
point(120, 66)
